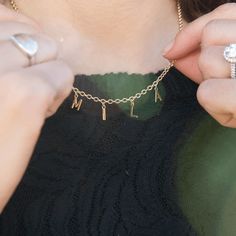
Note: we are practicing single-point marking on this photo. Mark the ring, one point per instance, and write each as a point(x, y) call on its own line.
point(230, 56)
point(27, 45)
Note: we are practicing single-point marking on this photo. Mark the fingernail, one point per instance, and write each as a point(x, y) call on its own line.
point(168, 49)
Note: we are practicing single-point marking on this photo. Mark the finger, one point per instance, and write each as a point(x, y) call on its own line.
point(212, 63)
point(14, 58)
point(218, 97)
point(9, 28)
point(10, 15)
point(227, 120)
point(204, 64)
point(212, 95)
point(50, 83)
point(189, 39)
point(189, 66)
point(219, 32)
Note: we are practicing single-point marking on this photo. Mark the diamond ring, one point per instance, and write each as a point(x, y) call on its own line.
point(27, 45)
point(230, 56)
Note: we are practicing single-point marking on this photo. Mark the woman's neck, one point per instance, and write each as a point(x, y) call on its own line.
point(102, 36)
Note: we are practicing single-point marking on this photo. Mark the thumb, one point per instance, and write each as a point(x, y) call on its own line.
point(190, 37)
point(186, 47)
point(188, 65)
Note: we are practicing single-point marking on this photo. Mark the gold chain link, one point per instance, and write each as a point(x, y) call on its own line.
point(79, 93)
point(14, 5)
point(129, 99)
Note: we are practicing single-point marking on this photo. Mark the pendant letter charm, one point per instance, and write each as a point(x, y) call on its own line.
point(104, 112)
point(132, 110)
point(157, 95)
point(76, 104)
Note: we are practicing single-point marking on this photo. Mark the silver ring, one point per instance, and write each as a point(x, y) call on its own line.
point(27, 45)
point(230, 56)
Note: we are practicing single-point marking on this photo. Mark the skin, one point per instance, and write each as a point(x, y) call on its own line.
point(28, 96)
point(37, 95)
point(198, 50)
point(128, 35)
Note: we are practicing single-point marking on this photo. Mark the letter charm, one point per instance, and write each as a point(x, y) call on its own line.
point(157, 95)
point(132, 110)
point(76, 104)
point(104, 111)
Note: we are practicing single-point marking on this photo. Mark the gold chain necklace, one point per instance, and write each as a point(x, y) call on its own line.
point(79, 94)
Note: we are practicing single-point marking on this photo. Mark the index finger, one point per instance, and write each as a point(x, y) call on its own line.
point(189, 39)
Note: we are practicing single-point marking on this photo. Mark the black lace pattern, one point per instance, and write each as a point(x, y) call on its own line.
point(88, 177)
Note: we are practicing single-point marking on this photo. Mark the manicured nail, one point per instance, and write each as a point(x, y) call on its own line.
point(168, 49)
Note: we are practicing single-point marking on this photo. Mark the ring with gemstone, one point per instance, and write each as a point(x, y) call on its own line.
point(230, 56)
point(27, 45)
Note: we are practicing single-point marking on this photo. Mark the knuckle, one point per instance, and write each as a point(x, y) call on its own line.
point(209, 31)
point(23, 89)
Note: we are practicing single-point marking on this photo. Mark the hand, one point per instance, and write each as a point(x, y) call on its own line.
point(198, 50)
point(49, 82)
point(27, 96)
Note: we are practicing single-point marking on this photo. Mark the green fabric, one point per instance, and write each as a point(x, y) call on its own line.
point(206, 168)
point(128, 85)
point(206, 178)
